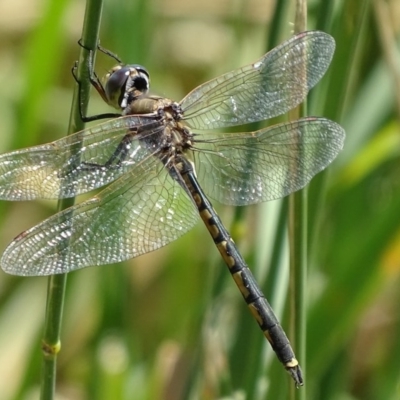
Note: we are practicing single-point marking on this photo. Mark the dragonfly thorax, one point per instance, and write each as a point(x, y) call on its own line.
point(160, 106)
point(176, 134)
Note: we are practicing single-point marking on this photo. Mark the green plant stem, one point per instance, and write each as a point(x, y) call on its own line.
point(51, 344)
point(298, 242)
point(298, 273)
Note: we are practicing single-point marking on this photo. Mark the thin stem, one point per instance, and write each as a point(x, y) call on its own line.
point(298, 273)
point(298, 242)
point(51, 344)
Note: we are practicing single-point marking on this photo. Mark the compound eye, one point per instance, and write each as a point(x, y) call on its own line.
point(115, 85)
point(125, 83)
point(142, 80)
point(141, 70)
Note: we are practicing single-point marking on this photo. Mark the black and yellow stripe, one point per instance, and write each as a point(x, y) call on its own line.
point(245, 281)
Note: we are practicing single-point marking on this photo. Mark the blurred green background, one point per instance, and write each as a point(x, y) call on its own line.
point(171, 325)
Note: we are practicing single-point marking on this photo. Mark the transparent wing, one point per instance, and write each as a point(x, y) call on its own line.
point(133, 216)
point(55, 170)
point(269, 87)
point(248, 168)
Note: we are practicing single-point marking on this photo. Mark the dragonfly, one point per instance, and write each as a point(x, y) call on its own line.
point(162, 160)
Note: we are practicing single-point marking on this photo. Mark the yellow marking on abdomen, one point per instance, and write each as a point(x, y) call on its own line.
point(254, 311)
point(197, 199)
point(292, 363)
point(237, 276)
point(230, 261)
point(212, 228)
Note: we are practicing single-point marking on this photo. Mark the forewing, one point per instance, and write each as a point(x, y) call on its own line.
point(269, 87)
point(57, 170)
point(133, 216)
point(248, 168)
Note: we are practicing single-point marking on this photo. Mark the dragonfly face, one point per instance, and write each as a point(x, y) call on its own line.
point(124, 84)
point(161, 160)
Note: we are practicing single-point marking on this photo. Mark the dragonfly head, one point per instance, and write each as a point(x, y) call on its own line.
point(125, 83)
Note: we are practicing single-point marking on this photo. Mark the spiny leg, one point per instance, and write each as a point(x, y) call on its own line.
point(95, 82)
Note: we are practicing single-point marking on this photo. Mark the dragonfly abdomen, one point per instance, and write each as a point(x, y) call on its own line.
point(244, 279)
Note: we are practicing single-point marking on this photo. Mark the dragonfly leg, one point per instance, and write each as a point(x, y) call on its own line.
point(103, 50)
point(95, 82)
point(113, 163)
point(117, 158)
point(109, 53)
